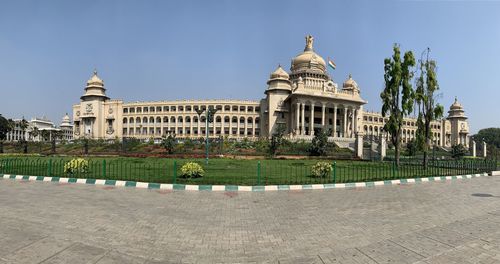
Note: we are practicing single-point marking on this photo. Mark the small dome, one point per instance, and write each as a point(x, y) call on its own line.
point(66, 118)
point(95, 80)
point(456, 105)
point(350, 84)
point(279, 73)
point(308, 60)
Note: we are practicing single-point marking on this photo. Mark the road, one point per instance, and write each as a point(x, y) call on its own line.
point(440, 222)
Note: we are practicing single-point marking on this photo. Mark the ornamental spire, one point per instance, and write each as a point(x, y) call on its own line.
point(309, 43)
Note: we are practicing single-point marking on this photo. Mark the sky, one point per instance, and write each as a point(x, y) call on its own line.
point(174, 50)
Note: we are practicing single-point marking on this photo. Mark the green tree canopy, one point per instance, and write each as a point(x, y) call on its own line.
point(398, 95)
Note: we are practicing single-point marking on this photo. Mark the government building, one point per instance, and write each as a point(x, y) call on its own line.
point(301, 101)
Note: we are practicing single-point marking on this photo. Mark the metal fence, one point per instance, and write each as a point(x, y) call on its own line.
point(242, 172)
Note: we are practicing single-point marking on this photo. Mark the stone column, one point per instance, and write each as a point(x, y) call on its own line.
point(297, 118)
point(474, 149)
point(311, 121)
point(353, 121)
point(484, 149)
point(344, 132)
point(303, 119)
point(382, 146)
point(323, 116)
point(222, 122)
point(245, 126)
point(359, 145)
point(230, 125)
point(253, 127)
point(335, 120)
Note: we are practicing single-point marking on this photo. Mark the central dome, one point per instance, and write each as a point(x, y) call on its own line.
point(308, 61)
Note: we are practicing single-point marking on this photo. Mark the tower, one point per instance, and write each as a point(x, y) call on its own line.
point(459, 125)
point(279, 87)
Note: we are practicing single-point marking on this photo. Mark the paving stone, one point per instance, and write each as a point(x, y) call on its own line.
point(422, 223)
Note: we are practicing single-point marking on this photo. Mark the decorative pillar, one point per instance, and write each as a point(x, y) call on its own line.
point(311, 121)
point(473, 148)
point(382, 146)
point(484, 149)
point(297, 118)
point(335, 120)
point(245, 125)
point(323, 116)
point(223, 128)
point(344, 132)
point(253, 127)
point(303, 119)
point(359, 144)
point(353, 121)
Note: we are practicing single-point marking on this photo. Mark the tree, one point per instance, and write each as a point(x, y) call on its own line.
point(428, 109)
point(276, 140)
point(319, 144)
point(55, 135)
point(169, 143)
point(5, 128)
point(458, 151)
point(397, 96)
point(490, 135)
point(23, 125)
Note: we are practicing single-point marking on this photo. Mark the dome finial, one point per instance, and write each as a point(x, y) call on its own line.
point(350, 76)
point(309, 43)
point(95, 71)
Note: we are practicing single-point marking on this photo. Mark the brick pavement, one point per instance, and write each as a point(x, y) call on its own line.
point(439, 222)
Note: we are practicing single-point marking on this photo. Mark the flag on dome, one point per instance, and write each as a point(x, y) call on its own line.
point(331, 64)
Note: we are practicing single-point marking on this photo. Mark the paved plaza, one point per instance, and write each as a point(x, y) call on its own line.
point(441, 222)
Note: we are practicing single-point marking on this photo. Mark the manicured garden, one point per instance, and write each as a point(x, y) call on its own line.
point(227, 171)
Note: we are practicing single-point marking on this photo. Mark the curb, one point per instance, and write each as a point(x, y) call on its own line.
point(233, 188)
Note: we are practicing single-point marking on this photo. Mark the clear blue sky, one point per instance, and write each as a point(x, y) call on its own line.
point(166, 50)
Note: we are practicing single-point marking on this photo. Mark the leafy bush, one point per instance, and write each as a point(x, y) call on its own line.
point(319, 144)
point(458, 151)
point(192, 170)
point(77, 165)
point(322, 169)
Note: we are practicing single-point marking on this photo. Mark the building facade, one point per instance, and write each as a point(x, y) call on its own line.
point(39, 124)
point(300, 102)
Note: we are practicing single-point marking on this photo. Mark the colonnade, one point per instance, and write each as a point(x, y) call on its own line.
point(338, 120)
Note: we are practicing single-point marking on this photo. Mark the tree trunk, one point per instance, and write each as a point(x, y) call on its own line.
point(1, 146)
point(53, 146)
point(25, 150)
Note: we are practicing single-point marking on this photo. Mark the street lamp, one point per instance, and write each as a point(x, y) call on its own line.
point(209, 114)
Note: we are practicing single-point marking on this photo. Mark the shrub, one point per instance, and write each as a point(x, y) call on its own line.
point(322, 169)
point(78, 165)
point(319, 144)
point(192, 170)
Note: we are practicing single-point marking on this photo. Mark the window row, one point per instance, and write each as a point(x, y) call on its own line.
point(188, 132)
point(190, 108)
point(180, 119)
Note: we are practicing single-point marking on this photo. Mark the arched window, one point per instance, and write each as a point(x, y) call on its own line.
point(125, 120)
point(138, 120)
point(145, 120)
point(257, 120)
point(158, 120)
point(218, 119)
point(249, 120)
point(172, 119)
point(131, 120)
point(152, 119)
point(165, 119)
point(125, 110)
point(242, 120)
point(226, 119)
point(179, 119)
point(188, 119)
point(195, 119)
point(234, 119)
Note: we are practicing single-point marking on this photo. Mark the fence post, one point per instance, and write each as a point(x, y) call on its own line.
point(175, 171)
point(104, 169)
point(334, 171)
point(258, 173)
point(49, 168)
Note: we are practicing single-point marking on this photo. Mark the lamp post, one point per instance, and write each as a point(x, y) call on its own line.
point(209, 114)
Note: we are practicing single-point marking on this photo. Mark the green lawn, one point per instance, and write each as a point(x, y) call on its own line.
point(233, 171)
